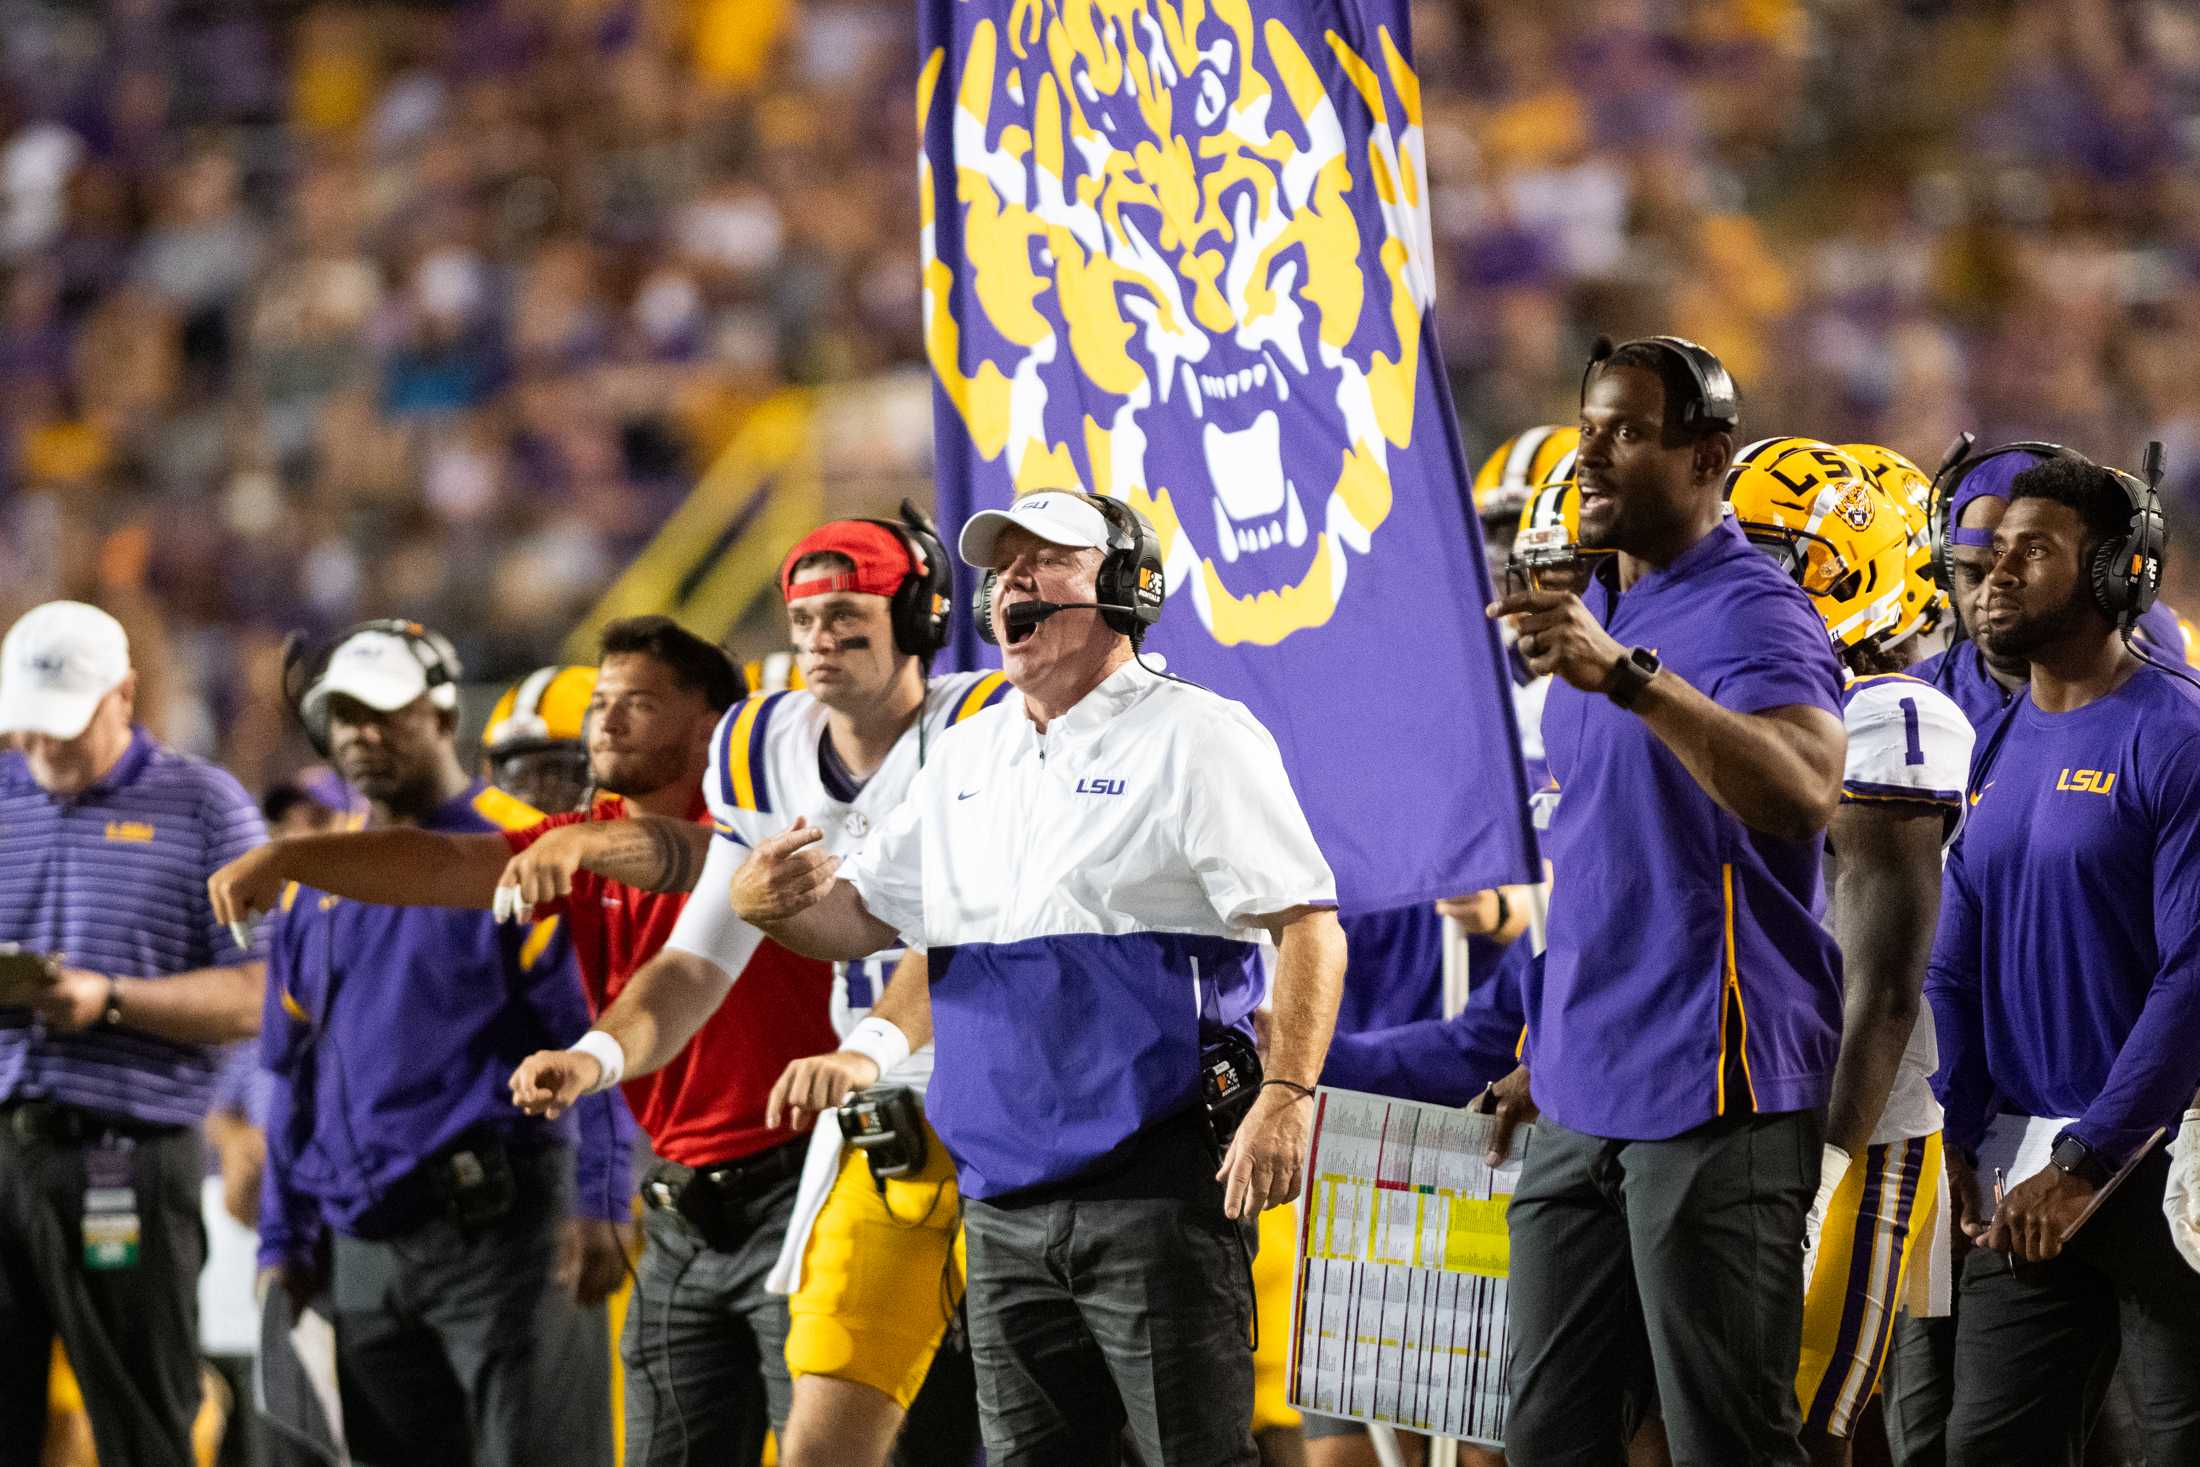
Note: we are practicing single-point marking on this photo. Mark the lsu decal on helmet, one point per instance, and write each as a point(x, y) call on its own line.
point(1522, 464)
point(1813, 509)
point(1923, 602)
point(543, 710)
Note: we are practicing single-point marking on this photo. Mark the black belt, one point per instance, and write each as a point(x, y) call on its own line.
point(51, 1123)
point(474, 1181)
point(733, 1181)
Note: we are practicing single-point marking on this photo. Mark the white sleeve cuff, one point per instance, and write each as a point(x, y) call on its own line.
point(606, 1052)
point(878, 1040)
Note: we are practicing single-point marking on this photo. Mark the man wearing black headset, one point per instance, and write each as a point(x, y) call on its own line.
point(847, 1279)
point(1078, 860)
point(1970, 495)
point(1683, 1030)
point(446, 1230)
point(2065, 988)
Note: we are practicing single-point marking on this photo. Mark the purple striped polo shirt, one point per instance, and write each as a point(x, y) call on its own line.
point(114, 878)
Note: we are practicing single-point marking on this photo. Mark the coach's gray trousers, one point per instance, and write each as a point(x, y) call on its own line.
point(457, 1346)
point(1115, 1306)
point(1669, 1269)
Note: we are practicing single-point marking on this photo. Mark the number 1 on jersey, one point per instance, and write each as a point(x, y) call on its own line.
point(1916, 751)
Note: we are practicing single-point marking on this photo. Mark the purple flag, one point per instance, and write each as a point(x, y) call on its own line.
point(1177, 251)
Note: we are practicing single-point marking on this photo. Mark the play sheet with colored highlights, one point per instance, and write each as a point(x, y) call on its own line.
point(1400, 1315)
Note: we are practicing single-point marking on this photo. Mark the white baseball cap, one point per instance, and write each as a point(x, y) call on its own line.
point(58, 661)
point(1052, 514)
point(382, 669)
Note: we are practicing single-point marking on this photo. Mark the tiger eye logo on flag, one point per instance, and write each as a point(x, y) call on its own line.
point(1183, 259)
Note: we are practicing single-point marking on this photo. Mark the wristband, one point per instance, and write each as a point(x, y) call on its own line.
point(878, 1040)
point(605, 1051)
point(1304, 1092)
point(1504, 912)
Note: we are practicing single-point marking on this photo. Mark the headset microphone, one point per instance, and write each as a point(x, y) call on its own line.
point(1025, 615)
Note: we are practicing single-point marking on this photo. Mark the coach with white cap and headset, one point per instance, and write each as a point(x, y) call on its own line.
point(1078, 860)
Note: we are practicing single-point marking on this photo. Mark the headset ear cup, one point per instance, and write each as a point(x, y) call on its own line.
point(981, 607)
point(1109, 588)
point(919, 610)
point(2112, 585)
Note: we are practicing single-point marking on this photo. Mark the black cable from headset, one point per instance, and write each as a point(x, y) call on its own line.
point(2131, 645)
point(664, 1348)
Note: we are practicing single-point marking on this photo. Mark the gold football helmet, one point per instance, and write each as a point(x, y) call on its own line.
point(544, 710)
point(1522, 464)
point(1923, 602)
point(1816, 512)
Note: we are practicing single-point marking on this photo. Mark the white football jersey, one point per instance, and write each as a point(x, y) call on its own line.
point(1908, 741)
point(768, 765)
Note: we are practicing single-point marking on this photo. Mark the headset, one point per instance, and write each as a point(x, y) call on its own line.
point(1717, 405)
point(305, 662)
point(1955, 465)
point(1128, 592)
point(918, 609)
point(2127, 570)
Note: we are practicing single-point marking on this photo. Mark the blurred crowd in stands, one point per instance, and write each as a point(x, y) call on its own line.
point(317, 310)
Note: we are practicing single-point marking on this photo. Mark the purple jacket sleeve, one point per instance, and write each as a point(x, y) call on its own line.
point(605, 1166)
point(290, 1223)
point(1440, 1061)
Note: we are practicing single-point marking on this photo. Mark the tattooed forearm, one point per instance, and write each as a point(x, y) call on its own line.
point(680, 848)
point(651, 852)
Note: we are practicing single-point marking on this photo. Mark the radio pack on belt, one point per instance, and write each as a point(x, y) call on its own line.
point(475, 1183)
point(1229, 1078)
point(886, 1124)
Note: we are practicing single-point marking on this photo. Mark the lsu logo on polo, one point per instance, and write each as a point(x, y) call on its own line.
point(132, 832)
point(1100, 786)
point(2086, 781)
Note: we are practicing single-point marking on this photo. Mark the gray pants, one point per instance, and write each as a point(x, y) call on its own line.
point(1919, 1389)
point(2035, 1347)
point(131, 1333)
point(1674, 1266)
point(1116, 1306)
point(458, 1346)
point(705, 1345)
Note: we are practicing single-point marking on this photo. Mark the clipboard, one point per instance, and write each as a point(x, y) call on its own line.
point(2109, 1187)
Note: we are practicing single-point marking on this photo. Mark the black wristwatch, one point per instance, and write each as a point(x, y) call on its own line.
point(2073, 1155)
point(1630, 675)
point(111, 1015)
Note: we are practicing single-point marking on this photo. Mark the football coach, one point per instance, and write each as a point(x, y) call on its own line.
point(1079, 859)
point(1682, 1036)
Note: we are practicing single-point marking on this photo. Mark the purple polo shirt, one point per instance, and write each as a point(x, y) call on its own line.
point(115, 879)
point(1679, 934)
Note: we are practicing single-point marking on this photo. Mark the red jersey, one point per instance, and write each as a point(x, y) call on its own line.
point(707, 1105)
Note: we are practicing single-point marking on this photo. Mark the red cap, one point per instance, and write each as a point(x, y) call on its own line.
point(882, 560)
